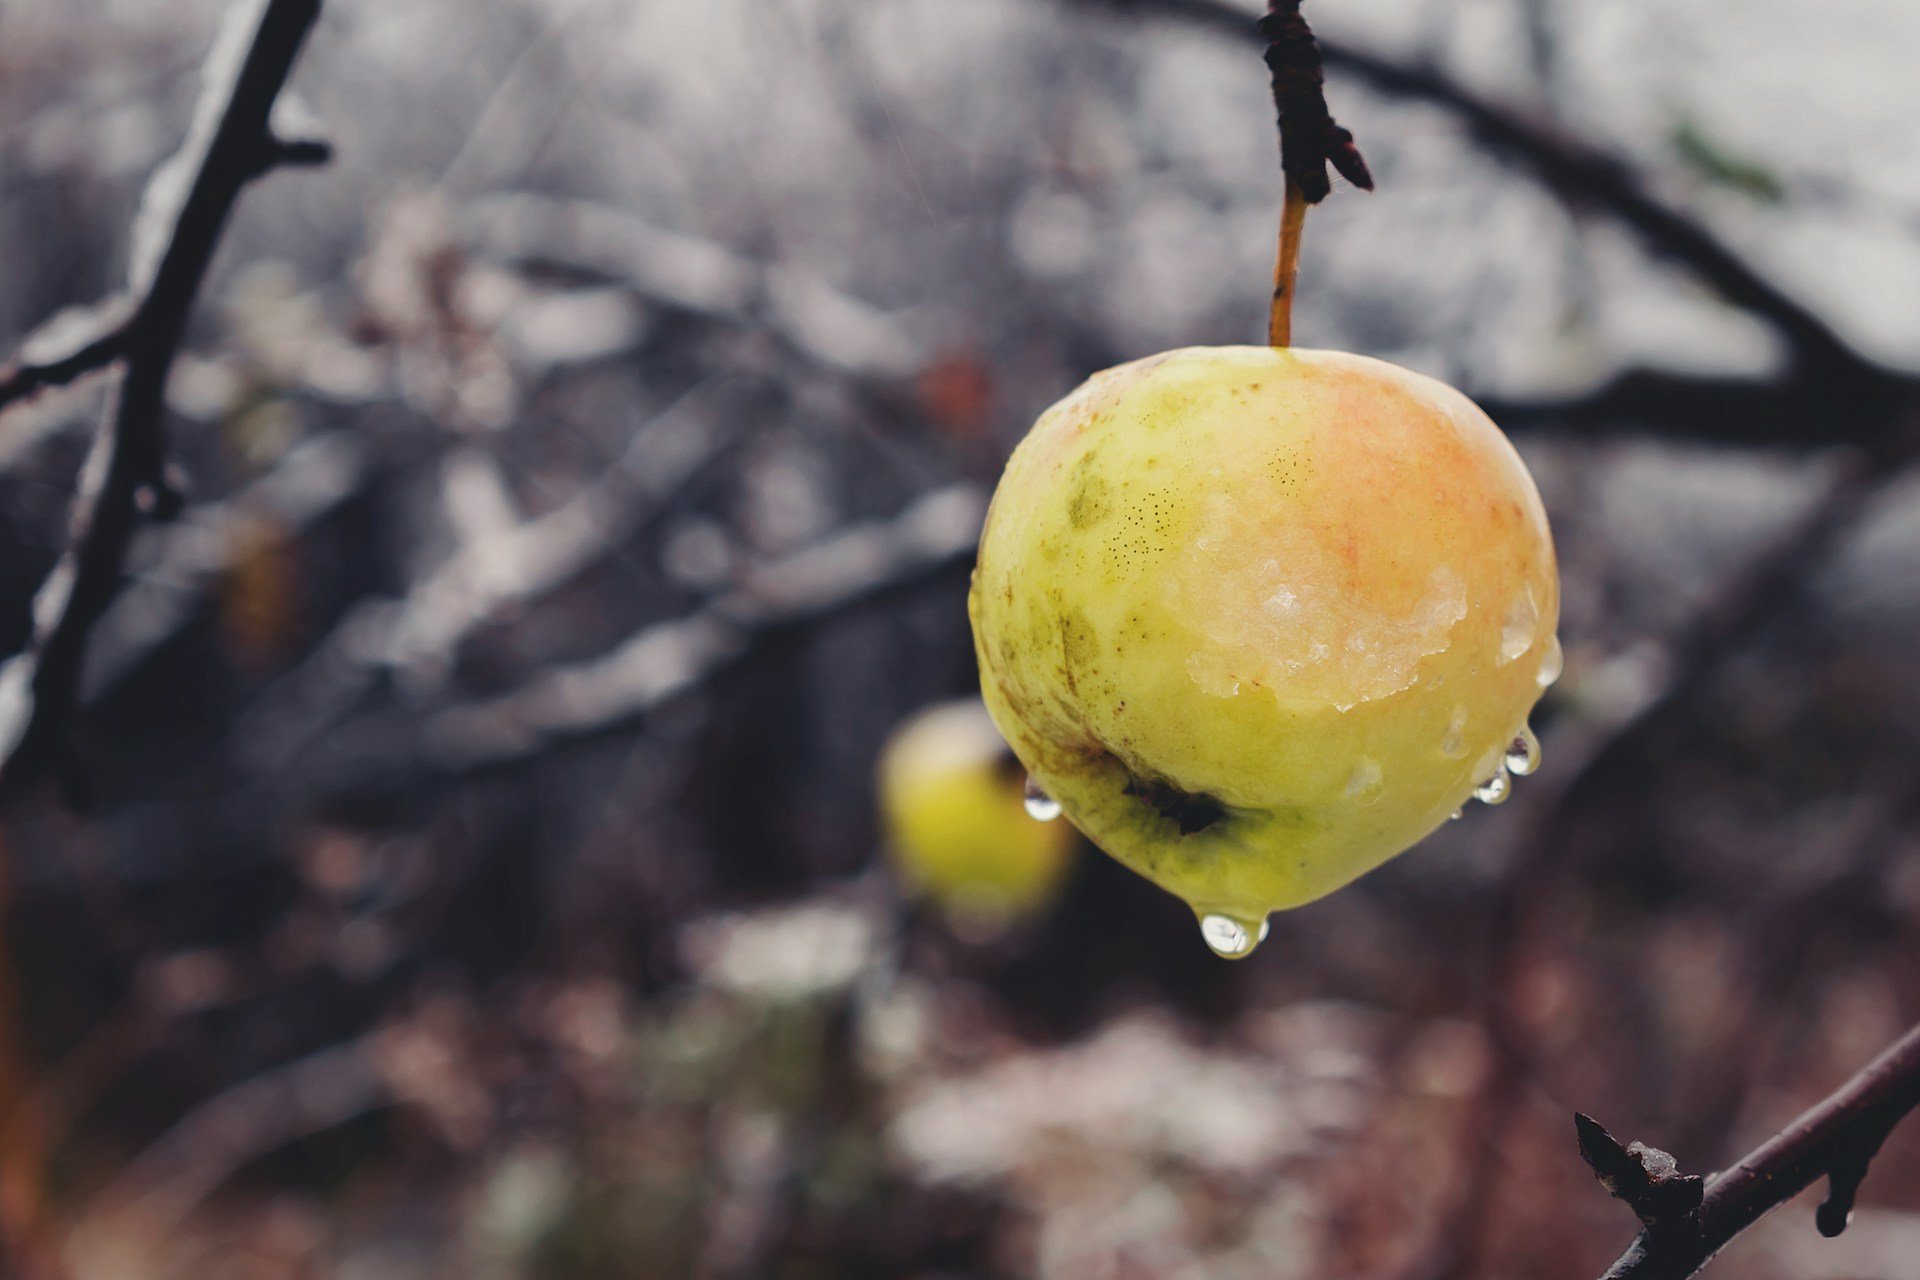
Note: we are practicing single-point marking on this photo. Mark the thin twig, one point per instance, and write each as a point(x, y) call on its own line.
point(1791, 410)
point(66, 349)
point(1770, 585)
point(186, 208)
point(1835, 1139)
point(1581, 174)
point(1310, 142)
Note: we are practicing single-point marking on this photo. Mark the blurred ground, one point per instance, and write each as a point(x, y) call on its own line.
point(442, 903)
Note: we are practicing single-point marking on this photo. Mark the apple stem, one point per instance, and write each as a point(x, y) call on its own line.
point(1293, 222)
point(1310, 141)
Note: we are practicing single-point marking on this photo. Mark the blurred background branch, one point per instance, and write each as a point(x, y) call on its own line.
point(182, 215)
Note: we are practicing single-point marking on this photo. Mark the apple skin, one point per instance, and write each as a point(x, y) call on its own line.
point(958, 833)
point(1260, 619)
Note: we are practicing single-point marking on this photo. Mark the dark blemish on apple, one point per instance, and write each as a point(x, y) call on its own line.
point(1089, 504)
point(1189, 812)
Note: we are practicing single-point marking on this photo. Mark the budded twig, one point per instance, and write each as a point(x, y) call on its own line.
point(125, 476)
point(1836, 1139)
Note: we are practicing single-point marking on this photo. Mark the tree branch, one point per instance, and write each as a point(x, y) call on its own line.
point(936, 533)
point(1793, 411)
point(1646, 1178)
point(66, 349)
point(1769, 585)
point(186, 208)
point(1836, 1139)
point(1580, 173)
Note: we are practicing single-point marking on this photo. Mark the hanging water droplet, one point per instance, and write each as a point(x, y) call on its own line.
point(1453, 745)
point(1232, 938)
point(1495, 789)
point(1041, 807)
point(1455, 815)
point(1523, 753)
point(1552, 662)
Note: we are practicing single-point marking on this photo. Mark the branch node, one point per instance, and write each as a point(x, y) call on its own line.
point(1646, 1178)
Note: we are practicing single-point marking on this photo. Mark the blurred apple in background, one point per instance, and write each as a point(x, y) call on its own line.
point(958, 831)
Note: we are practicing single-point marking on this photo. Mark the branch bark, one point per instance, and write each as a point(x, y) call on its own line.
point(1835, 1139)
point(179, 227)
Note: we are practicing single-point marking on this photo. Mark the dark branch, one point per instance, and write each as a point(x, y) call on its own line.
point(66, 349)
point(187, 205)
point(1581, 174)
point(1310, 140)
point(1794, 410)
point(1772, 583)
point(1836, 1139)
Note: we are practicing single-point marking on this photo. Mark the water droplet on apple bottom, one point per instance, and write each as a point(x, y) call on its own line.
point(1552, 662)
point(1232, 939)
point(1455, 815)
point(1495, 789)
point(1041, 807)
point(1523, 753)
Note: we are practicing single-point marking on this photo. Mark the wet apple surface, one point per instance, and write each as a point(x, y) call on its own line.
point(1259, 619)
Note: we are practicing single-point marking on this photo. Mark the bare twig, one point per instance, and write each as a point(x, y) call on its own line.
point(1836, 1139)
point(1793, 410)
point(1310, 141)
point(1581, 174)
point(66, 349)
point(187, 205)
point(1770, 585)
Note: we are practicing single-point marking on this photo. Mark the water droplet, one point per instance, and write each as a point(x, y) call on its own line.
point(1520, 627)
point(1232, 938)
point(1495, 789)
point(1523, 753)
point(1552, 662)
point(1454, 745)
point(1364, 785)
point(1455, 815)
point(1041, 807)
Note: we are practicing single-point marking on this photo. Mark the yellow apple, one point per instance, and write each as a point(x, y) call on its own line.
point(958, 828)
point(1259, 619)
